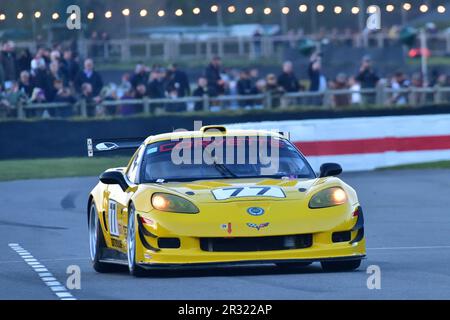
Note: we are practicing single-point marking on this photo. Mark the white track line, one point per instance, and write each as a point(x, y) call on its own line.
point(57, 288)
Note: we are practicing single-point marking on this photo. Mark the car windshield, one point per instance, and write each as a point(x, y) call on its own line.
point(222, 158)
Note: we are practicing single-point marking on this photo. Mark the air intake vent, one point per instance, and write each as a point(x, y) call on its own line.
point(221, 129)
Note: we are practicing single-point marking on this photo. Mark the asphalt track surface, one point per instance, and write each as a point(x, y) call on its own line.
point(407, 215)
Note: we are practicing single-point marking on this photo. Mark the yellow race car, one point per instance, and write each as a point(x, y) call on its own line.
point(217, 196)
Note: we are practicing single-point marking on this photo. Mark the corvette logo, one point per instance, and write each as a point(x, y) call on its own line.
point(257, 226)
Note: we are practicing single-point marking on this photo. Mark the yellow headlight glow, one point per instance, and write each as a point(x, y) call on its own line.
point(159, 202)
point(172, 203)
point(338, 195)
point(328, 198)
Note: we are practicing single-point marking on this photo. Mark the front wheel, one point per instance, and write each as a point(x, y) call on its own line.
point(97, 242)
point(134, 269)
point(349, 265)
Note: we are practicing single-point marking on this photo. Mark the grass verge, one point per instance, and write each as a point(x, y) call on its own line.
point(57, 168)
point(426, 165)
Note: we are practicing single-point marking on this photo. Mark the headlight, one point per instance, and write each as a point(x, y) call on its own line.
point(328, 198)
point(171, 203)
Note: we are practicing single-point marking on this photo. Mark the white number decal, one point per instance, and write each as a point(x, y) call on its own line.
point(238, 192)
point(113, 223)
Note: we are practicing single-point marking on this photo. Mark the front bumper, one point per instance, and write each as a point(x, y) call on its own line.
point(190, 253)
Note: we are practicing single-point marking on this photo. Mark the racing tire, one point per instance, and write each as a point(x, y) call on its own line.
point(289, 265)
point(97, 242)
point(349, 265)
point(134, 268)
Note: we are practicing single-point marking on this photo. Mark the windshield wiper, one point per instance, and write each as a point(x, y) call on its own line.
point(224, 170)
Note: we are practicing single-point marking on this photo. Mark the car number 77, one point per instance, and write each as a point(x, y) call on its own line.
point(237, 192)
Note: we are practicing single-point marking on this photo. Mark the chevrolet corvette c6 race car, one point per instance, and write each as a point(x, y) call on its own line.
point(167, 208)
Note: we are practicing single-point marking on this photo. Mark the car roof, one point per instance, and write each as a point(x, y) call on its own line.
point(209, 132)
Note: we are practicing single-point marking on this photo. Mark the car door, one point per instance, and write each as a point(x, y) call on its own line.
point(117, 204)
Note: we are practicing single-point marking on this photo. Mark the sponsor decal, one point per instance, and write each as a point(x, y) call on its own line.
point(258, 226)
point(227, 227)
point(116, 243)
point(255, 211)
point(106, 146)
point(256, 191)
point(113, 220)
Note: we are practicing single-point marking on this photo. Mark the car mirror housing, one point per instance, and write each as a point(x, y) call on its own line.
point(330, 169)
point(114, 177)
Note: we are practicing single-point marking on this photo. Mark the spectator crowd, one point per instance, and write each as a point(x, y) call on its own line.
point(57, 75)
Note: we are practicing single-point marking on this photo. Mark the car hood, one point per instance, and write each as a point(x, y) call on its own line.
point(233, 190)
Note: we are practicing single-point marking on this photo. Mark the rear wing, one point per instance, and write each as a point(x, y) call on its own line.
point(95, 146)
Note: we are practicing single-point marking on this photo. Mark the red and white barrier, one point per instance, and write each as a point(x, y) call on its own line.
point(366, 143)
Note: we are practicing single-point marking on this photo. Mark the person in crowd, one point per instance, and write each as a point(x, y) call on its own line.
point(274, 89)
point(38, 96)
point(140, 75)
point(244, 84)
point(244, 87)
point(25, 84)
point(42, 78)
point(201, 91)
point(178, 80)
point(417, 82)
point(128, 109)
point(287, 79)
point(398, 83)
point(254, 76)
point(11, 98)
point(55, 56)
point(69, 66)
point(87, 94)
point(124, 85)
point(89, 75)
point(64, 95)
point(56, 73)
point(213, 75)
point(156, 85)
point(355, 87)
point(24, 60)
point(141, 91)
point(368, 79)
point(317, 81)
point(257, 36)
point(175, 106)
point(9, 61)
point(341, 83)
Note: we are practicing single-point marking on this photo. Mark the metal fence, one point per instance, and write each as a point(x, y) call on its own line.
point(230, 47)
point(345, 99)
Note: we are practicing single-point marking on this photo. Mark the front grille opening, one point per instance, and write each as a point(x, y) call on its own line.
point(245, 244)
point(168, 243)
point(342, 236)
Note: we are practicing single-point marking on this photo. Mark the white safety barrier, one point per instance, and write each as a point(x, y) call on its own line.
point(366, 143)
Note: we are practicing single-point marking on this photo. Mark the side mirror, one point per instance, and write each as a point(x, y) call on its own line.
point(330, 169)
point(114, 177)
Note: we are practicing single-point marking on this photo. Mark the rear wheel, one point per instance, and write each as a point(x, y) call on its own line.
point(348, 265)
point(97, 242)
point(134, 269)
